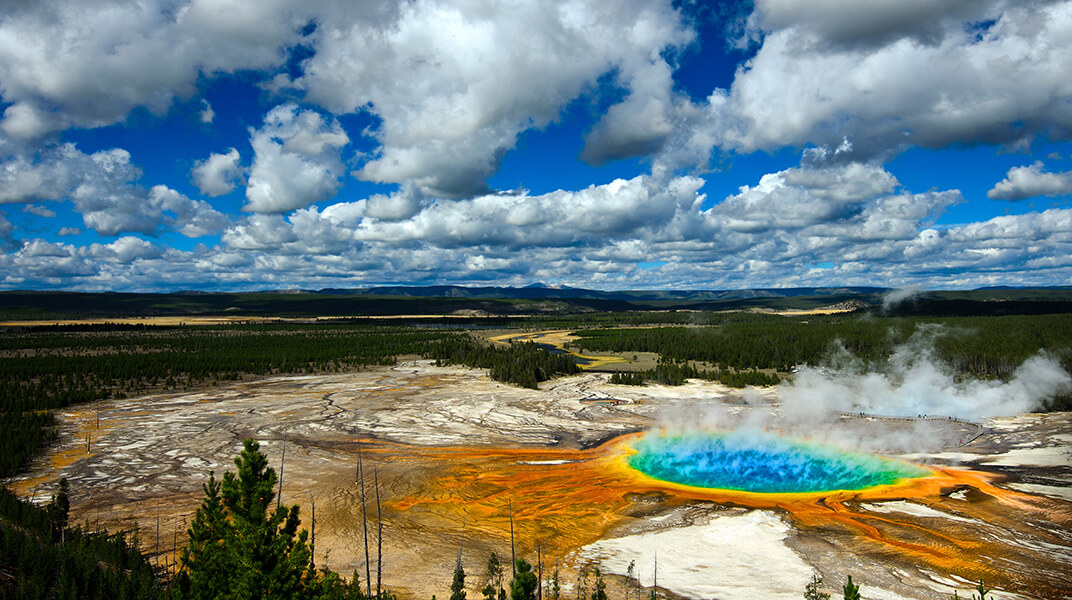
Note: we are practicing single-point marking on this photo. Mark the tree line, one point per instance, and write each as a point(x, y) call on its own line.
point(520, 363)
point(985, 347)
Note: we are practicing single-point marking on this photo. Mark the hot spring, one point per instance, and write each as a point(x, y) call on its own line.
point(762, 463)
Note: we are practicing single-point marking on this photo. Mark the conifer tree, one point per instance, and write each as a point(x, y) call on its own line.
point(493, 575)
point(813, 591)
point(600, 591)
point(270, 552)
point(852, 592)
point(208, 564)
point(523, 587)
point(58, 510)
point(239, 548)
point(457, 586)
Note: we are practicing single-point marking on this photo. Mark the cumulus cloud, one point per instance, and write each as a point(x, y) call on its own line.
point(453, 84)
point(37, 209)
point(103, 188)
point(296, 160)
point(888, 75)
point(87, 63)
point(640, 124)
point(124, 250)
point(1031, 181)
point(218, 174)
point(853, 219)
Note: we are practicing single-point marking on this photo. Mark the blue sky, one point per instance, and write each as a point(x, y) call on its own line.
point(622, 144)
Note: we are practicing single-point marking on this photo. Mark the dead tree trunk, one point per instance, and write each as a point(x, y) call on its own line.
point(379, 533)
point(364, 522)
point(282, 461)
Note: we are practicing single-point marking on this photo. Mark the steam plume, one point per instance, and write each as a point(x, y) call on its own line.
point(915, 383)
point(895, 297)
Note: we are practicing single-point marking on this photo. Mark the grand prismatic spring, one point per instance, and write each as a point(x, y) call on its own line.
point(762, 463)
point(582, 471)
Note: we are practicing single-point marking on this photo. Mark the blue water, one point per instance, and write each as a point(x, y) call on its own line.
point(762, 463)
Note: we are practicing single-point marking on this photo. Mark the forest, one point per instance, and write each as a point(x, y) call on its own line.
point(983, 347)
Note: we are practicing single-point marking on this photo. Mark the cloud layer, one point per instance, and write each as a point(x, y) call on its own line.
point(428, 99)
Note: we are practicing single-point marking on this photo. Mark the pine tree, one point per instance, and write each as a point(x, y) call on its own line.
point(600, 592)
point(852, 592)
point(239, 548)
point(493, 575)
point(270, 552)
point(207, 563)
point(523, 587)
point(457, 587)
point(58, 510)
point(813, 591)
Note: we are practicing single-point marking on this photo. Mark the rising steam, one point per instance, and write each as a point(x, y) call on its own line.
point(895, 297)
point(914, 382)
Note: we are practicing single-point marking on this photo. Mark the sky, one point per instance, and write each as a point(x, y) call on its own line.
point(226, 145)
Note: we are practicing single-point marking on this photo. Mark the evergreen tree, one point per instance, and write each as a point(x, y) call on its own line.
point(852, 592)
point(813, 591)
point(600, 591)
point(272, 555)
point(207, 563)
point(555, 589)
point(523, 587)
point(493, 576)
point(239, 549)
point(582, 584)
point(58, 510)
point(457, 587)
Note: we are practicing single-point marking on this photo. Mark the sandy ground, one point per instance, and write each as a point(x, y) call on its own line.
point(449, 446)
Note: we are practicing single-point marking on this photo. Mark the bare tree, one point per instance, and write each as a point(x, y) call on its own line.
point(379, 533)
point(364, 521)
point(282, 461)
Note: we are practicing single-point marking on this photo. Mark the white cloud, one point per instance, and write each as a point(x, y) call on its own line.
point(640, 124)
point(1031, 181)
point(455, 83)
point(26, 122)
point(37, 209)
point(207, 114)
point(102, 186)
point(218, 174)
point(67, 231)
point(124, 250)
point(296, 160)
point(889, 75)
point(87, 63)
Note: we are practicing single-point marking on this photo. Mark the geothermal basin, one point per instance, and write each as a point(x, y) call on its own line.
point(594, 474)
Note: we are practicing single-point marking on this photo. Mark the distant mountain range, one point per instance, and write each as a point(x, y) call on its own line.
point(535, 299)
point(538, 291)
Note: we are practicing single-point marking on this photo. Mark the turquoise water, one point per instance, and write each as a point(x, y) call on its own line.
point(762, 463)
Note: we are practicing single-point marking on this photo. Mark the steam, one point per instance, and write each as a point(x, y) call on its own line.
point(915, 383)
point(895, 297)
